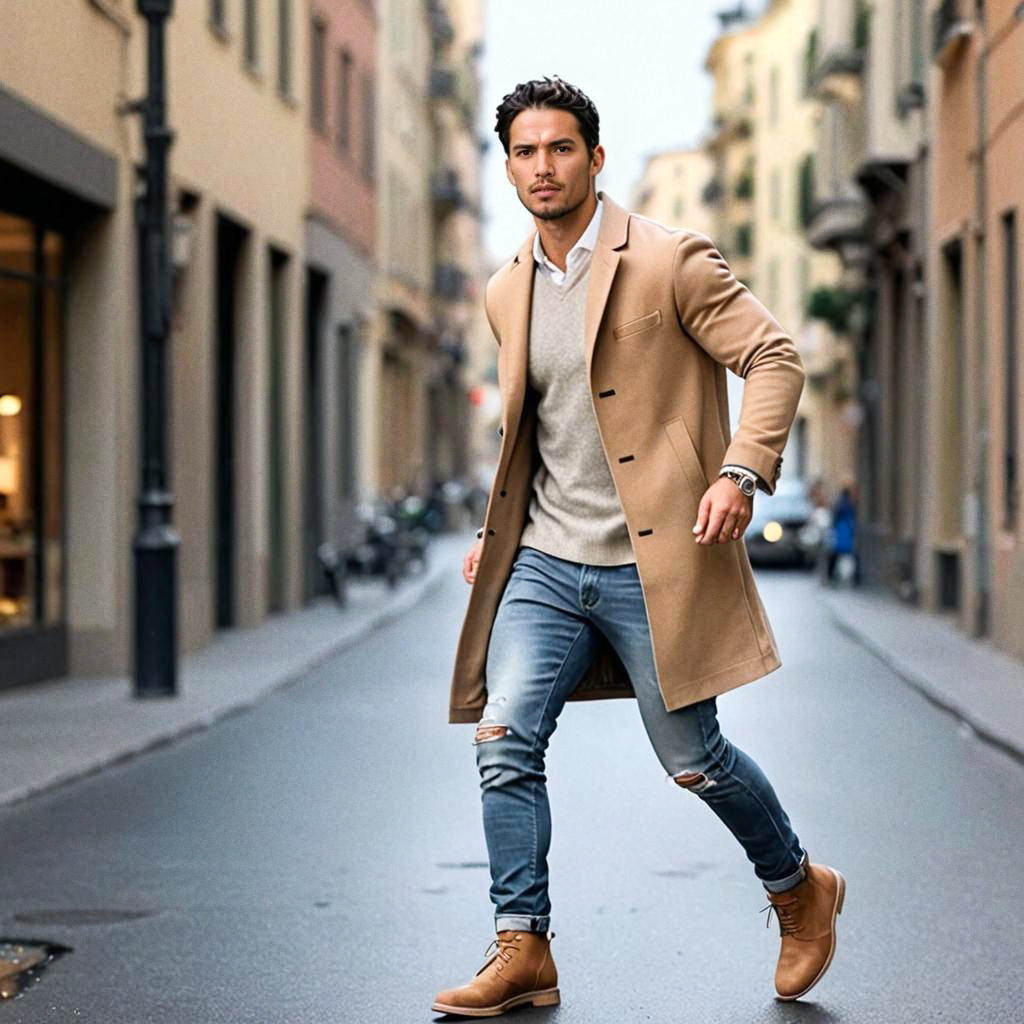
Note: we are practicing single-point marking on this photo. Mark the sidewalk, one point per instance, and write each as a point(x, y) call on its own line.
point(54, 732)
point(975, 681)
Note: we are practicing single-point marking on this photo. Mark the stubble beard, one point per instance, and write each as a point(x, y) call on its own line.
point(547, 213)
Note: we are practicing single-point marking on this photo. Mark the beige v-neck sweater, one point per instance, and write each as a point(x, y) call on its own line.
point(575, 512)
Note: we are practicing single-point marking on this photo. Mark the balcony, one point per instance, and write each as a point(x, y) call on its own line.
point(730, 126)
point(442, 82)
point(450, 282)
point(838, 223)
point(837, 74)
point(949, 31)
point(446, 191)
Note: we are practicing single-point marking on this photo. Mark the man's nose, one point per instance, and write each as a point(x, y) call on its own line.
point(543, 168)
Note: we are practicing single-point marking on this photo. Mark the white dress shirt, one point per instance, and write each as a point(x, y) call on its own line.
point(586, 242)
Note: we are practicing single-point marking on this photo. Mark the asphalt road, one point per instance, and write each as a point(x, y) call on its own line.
point(320, 858)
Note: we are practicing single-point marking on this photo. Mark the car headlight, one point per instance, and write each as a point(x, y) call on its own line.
point(772, 531)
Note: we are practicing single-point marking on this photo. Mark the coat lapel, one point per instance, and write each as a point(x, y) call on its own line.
point(515, 303)
point(603, 264)
point(514, 351)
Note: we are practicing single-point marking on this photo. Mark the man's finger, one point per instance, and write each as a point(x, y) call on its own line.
point(728, 526)
point(702, 516)
point(714, 526)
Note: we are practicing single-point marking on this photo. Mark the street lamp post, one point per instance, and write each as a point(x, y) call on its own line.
point(156, 542)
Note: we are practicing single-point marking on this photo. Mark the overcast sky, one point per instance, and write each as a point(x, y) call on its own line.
point(640, 61)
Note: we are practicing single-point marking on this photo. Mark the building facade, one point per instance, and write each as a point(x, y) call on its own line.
point(339, 425)
point(763, 146)
point(968, 558)
point(671, 189)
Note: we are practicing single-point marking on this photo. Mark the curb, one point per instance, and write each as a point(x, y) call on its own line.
point(405, 599)
point(923, 686)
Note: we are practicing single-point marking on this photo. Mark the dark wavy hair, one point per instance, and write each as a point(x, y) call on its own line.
point(542, 93)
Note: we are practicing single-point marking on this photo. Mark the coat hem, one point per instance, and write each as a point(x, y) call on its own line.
point(735, 675)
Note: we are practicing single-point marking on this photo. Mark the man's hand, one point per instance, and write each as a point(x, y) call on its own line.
point(471, 561)
point(724, 513)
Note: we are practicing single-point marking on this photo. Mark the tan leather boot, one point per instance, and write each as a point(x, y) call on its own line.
point(519, 971)
point(807, 923)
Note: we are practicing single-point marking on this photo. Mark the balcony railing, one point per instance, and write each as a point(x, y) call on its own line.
point(949, 30)
point(449, 282)
point(442, 81)
point(446, 190)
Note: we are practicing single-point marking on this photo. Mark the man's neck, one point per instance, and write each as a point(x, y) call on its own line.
point(560, 235)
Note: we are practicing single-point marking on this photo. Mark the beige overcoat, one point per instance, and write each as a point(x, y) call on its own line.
point(664, 318)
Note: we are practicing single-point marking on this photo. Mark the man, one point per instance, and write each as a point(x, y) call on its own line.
point(609, 564)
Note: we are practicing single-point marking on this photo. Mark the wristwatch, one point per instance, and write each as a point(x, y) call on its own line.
point(743, 479)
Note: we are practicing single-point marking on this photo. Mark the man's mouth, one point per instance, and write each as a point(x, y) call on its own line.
point(544, 189)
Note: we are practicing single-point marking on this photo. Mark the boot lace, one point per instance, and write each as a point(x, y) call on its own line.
point(502, 949)
point(785, 913)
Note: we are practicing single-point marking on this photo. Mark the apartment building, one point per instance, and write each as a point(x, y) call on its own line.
point(671, 189)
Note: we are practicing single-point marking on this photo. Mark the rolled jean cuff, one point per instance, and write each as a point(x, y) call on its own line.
point(790, 880)
point(521, 923)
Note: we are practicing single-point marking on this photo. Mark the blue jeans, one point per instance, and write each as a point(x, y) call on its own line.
point(543, 638)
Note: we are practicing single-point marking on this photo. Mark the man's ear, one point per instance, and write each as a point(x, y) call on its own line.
point(597, 160)
point(508, 172)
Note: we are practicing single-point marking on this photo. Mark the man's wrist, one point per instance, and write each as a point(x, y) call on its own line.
point(746, 479)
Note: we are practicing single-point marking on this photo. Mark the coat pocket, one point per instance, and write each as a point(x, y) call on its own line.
point(641, 323)
point(686, 455)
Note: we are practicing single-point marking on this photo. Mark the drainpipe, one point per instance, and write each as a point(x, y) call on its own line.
point(979, 500)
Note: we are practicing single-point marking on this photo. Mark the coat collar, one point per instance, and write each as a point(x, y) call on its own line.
point(613, 234)
point(514, 352)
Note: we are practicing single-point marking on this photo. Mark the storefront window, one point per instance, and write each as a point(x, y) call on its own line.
point(31, 454)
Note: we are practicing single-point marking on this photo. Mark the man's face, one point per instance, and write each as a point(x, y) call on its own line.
point(548, 162)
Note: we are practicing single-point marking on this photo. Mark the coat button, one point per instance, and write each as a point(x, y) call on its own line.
point(502, 493)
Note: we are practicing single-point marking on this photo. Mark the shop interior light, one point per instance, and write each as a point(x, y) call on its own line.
point(772, 531)
point(10, 405)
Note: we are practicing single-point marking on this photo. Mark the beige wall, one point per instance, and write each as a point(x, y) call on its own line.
point(671, 188)
point(239, 149)
point(74, 68)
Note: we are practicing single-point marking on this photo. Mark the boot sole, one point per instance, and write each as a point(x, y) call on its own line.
point(544, 997)
point(836, 909)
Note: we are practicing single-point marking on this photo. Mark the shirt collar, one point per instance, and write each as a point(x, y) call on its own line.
point(586, 241)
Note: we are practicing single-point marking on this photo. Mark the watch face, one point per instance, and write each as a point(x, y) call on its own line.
point(748, 487)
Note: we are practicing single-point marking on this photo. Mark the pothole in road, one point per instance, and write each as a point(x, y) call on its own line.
point(22, 961)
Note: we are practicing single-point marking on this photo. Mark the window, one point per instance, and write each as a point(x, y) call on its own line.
point(218, 16)
point(773, 97)
point(745, 239)
point(31, 444)
point(284, 47)
point(1011, 372)
point(776, 194)
point(369, 125)
point(805, 191)
point(317, 83)
point(250, 34)
point(344, 99)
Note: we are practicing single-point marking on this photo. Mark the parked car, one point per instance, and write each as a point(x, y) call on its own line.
point(784, 529)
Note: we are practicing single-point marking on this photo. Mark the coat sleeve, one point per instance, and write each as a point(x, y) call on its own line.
point(723, 316)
